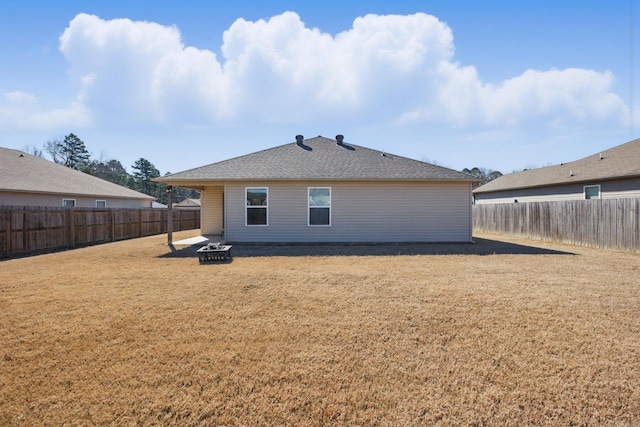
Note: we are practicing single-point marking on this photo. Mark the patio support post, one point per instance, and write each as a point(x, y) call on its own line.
point(169, 215)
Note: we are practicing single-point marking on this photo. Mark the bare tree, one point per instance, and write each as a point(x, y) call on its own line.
point(34, 151)
point(53, 147)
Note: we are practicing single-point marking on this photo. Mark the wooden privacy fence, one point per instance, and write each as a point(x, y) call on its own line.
point(25, 229)
point(606, 224)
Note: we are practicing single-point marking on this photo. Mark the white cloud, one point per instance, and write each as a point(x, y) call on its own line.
point(20, 110)
point(572, 94)
point(393, 69)
point(115, 63)
point(18, 97)
point(274, 71)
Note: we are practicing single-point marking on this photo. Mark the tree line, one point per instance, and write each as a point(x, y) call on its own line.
point(483, 174)
point(72, 152)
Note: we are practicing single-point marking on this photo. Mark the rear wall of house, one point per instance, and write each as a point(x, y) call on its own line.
point(360, 212)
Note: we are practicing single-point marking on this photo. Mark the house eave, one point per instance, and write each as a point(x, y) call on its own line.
point(74, 194)
point(199, 184)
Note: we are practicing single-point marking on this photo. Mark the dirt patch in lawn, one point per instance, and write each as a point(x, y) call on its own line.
point(504, 332)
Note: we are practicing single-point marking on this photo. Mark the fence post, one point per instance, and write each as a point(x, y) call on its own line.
point(72, 227)
point(9, 224)
point(112, 218)
point(24, 233)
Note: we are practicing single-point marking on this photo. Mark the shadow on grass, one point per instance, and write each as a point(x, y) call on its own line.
point(480, 247)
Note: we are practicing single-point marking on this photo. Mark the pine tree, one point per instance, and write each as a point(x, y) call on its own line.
point(144, 170)
point(73, 153)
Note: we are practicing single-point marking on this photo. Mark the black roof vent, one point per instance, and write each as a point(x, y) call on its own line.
point(340, 139)
point(299, 139)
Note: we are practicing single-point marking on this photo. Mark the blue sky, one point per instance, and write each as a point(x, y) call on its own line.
point(497, 84)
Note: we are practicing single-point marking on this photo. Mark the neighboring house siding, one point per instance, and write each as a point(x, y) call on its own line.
point(621, 189)
point(211, 210)
point(544, 194)
point(360, 212)
point(608, 189)
point(34, 199)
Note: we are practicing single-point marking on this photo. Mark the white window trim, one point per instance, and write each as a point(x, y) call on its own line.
point(247, 207)
point(105, 203)
point(309, 207)
point(584, 191)
point(71, 200)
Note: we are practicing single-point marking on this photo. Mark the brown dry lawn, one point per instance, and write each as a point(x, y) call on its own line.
point(504, 332)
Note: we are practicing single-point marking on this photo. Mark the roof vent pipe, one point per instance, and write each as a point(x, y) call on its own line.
point(299, 139)
point(340, 139)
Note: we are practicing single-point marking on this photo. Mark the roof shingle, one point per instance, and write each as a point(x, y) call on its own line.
point(319, 158)
point(26, 173)
point(622, 161)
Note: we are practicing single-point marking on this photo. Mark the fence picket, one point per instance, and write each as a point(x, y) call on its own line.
point(606, 224)
point(26, 230)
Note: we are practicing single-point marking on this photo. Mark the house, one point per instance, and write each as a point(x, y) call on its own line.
point(610, 174)
point(325, 190)
point(27, 180)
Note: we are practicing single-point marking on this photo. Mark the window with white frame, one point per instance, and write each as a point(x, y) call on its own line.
point(591, 192)
point(69, 203)
point(101, 203)
point(257, 205)
point(319, 206)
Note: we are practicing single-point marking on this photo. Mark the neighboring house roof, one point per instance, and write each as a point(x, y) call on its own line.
point(188, 203)
point(318, 158)
point(22, 172)
point(621, 162)
point(157, 205)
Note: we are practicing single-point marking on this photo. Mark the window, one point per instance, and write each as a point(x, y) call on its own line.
point(257, 206)
point(101, 203)
point(69, 203)
point(319, 206)
point(592, 192)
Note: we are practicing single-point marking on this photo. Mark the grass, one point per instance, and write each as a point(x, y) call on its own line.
point(504, 332)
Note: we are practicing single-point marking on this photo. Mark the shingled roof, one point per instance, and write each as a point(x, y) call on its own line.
point(316, 159)
point(619, 162)
point(22, 172)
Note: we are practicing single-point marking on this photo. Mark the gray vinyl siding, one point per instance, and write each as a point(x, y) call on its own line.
point(55, 200)
point(360, 212)
point(621, 189)
point(608, 190)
